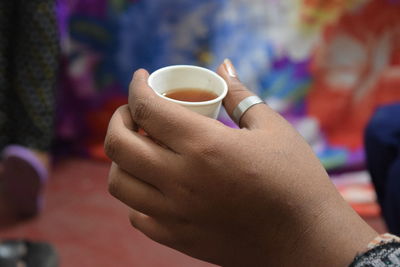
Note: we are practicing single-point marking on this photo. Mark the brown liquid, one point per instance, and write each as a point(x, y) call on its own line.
point(190, 94)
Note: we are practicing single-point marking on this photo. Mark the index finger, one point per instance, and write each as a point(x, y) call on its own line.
point(167, 122)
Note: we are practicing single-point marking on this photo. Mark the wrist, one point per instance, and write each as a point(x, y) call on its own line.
point(332, 235)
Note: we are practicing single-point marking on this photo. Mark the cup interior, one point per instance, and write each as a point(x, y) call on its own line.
point(185, 76)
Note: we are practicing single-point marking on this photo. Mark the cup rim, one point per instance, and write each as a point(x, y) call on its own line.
point(187, 103)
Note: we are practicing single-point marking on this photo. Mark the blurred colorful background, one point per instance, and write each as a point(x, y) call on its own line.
point(325, 65)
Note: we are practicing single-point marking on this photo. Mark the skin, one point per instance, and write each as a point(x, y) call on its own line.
point(255, 196)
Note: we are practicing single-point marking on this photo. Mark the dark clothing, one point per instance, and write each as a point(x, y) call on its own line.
point(382, 143)
point(28, 68)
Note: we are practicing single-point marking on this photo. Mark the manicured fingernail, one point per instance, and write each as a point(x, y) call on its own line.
point(230, 68)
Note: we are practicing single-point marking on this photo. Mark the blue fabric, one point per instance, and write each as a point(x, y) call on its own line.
point(382, 144)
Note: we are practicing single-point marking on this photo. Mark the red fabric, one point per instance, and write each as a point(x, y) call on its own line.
point(97, 122)
point(344, 108)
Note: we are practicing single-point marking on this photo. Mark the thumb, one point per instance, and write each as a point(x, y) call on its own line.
point(256, 117)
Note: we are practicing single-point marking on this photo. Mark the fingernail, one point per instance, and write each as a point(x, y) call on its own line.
point(138, 74)
point(134, 76)
point(230, 68)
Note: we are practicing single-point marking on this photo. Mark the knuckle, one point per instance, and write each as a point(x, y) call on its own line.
point(141, 110)
point(134, 223)
point(174, 236)
point(111, 145)
point(113, 185)
point(208, 149)
point(156, 235)
point(238, 89)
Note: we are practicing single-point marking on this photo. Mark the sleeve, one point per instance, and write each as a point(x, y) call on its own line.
point(382, 251)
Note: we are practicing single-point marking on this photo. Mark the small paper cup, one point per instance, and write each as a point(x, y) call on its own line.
point(187, 76)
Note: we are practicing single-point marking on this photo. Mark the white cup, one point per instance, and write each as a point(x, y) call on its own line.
point(187, 76)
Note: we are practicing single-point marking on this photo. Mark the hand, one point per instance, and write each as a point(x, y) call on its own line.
point(255, 196)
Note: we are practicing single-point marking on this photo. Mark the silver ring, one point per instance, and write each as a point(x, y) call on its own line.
point(244, 105)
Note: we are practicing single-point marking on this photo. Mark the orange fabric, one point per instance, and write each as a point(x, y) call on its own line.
point(356, 69)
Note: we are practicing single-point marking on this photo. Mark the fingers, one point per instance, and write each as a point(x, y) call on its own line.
point(151, 227)
point(255, 117)
point(167, 122)
point(136, 193)
point(138, 154)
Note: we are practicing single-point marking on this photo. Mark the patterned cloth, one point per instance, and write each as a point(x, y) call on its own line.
point(28, 68)
point(384, 250)
point(383, 239)
point(387, 254)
